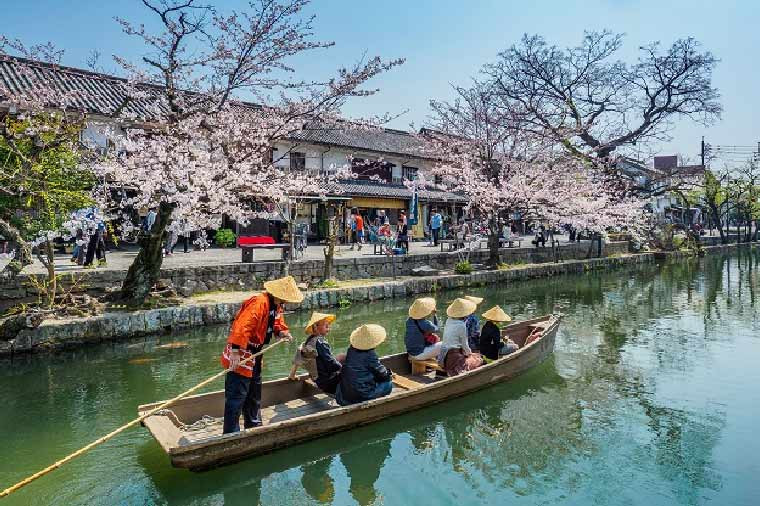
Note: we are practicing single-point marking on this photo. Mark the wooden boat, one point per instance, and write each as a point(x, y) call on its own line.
point(296, 411)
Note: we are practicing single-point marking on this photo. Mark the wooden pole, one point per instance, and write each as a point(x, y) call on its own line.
point(124, 427)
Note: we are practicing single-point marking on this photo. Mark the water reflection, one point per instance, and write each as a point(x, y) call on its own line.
point(633, 406)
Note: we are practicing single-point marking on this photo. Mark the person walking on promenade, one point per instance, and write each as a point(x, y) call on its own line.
point(436, 221)
point(258, 321)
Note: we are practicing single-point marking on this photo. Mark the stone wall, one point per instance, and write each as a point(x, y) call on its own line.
point(77, 332)
point(241, 276)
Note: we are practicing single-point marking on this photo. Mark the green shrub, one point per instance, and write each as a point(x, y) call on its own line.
point(224, 238)
point(344, 302)
point(464, 267)
point(328, 283)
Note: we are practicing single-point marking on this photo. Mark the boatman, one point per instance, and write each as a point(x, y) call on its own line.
point(258, 321)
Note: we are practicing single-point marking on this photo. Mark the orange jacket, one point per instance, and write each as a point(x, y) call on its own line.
point(250, 327)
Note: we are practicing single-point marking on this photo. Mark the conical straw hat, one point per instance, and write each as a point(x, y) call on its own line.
point(285, 289)
point(461, 308)
point(472, 298)
point(367, 337)
point(318, 317)
point(421, 307)
point(497, 314)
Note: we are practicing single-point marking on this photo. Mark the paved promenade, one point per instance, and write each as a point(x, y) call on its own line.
point(121, 259)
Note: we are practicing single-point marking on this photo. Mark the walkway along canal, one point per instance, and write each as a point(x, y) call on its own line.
point(651, 398)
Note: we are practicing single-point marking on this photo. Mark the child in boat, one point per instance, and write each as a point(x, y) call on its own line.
point(315, 355)
point(363, 376)
point(491, 345)
point(456, 355)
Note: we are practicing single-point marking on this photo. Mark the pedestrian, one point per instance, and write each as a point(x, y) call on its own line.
point(436, 220)
point(258, 321)
point(96, 243)
point(352, 224)
point(183, 234)
point(359, 230)
point(402, 235)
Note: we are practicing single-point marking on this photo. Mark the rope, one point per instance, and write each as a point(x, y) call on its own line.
point(124, 427)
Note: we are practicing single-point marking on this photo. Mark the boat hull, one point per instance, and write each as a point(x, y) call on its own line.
point(225, 449)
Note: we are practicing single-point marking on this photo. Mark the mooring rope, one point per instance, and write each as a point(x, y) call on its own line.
point(154, 411)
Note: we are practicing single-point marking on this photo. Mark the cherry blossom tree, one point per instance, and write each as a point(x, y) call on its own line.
point(201, 151)
point(487, 154)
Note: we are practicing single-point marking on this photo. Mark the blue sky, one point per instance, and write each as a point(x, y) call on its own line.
point(448, 41)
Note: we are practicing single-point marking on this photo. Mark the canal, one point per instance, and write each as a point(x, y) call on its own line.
point(651, 398)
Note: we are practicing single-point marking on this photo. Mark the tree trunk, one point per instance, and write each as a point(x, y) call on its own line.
point(146, 267)
point(52, 282)
point(493, 242)
point(329, 250)
point(24, 252)
point(554, 247)
point(718, 223)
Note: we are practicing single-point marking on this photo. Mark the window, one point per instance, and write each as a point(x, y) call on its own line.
point(438, 180)
point(396, 176)
point(297, 160)
point(410, 173)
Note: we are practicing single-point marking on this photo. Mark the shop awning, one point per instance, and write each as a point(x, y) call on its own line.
point(378, 203)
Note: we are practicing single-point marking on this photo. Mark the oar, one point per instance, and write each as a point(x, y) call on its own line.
point(121, 429)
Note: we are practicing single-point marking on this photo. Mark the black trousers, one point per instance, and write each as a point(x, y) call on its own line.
point(242, 394)
point(96, 245)
point(435, 232)
point(185, 242)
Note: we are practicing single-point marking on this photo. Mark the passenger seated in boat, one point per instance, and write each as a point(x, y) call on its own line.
point(363, 377)
point(491, 344)
point(421, 340)
point(456, 355)
point(473, 325)
point(315, 355)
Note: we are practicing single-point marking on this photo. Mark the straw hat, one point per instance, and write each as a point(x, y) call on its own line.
point(472, 298)
point(284, 289)
point(367, 336)
point(497, 314)
point(316, 318)
point(461, 307)
point(422, 307)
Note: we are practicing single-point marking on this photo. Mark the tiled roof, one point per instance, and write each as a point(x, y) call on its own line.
point(358, 188)
point(103, 94)
point(84, 91)
point(379, 140)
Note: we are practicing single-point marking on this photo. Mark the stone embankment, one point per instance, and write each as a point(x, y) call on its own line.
point(239, 276)
point(75, 332)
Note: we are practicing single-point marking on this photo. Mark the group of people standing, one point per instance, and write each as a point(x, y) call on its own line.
point(90, 240)
point(380, 230)
point(357, 375)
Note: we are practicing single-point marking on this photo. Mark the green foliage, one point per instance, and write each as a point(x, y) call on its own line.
point(40, 172)
point(328, 283)
point(224, 237)
point(39, 158)
point(344, 302)
point(464, 267)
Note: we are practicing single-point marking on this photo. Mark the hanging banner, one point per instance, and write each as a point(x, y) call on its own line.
point(414, 209)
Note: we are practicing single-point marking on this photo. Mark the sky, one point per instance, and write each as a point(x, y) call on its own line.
point(446, 42)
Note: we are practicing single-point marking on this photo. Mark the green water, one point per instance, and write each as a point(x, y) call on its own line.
point(650, 399)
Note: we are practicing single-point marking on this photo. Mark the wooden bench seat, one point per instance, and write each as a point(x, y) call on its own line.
point(419, 367)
